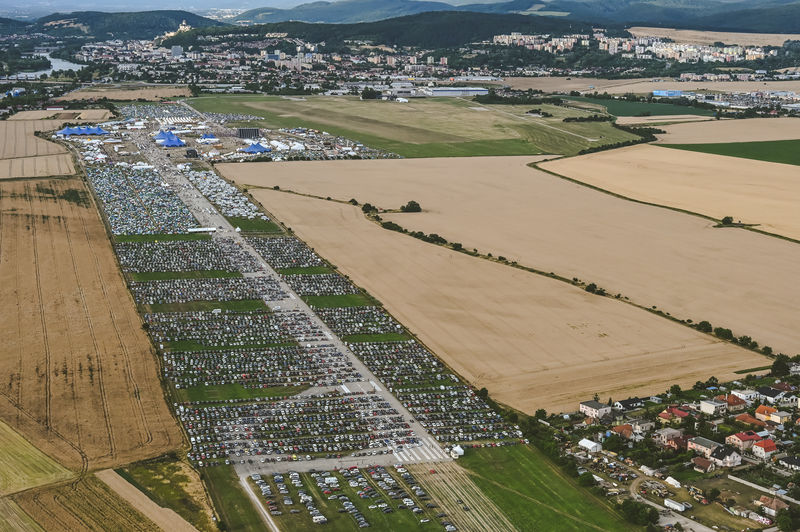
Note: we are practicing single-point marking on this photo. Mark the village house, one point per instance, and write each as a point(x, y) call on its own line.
point(679, 443)
point(713, 407)
point(764, 449)
point(594, 409)
point(724, 456)
point(770, 395)
point(771, 505)
point(746, 395)
point(662, 436)
point(735, 403)
point(629, 404)
point(703, 465)
point(624, 431)
point(672, 415)
point(764, 412)
point(743, 440)
point(747, 419)
point(640, 426)
point(702, 446)
point(790, 462)
point(780, 417)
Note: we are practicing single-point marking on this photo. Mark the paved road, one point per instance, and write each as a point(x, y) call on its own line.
point(428, 451)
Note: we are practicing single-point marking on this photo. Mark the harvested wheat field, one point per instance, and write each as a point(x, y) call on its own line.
point(501, 206)
point(711, 37)
point(23, 466)
point(645, 85)
point(22, 154)
point(533, 342)
point(659, 119)
point(38, 166)
point(93, 115)
point(80, 379)
point(126, 93)
point(165, 518)
point(14, 519)
point(755, 192)
point(715, 131)
point(84, 505)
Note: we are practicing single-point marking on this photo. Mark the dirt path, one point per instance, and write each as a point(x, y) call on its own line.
point(165, 518)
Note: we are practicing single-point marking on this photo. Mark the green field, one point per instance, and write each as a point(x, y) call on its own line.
point(626, 108)
point(158, 276)
point(223, 392)
point(243, 305)
point(348, 300)
point(255, 226)
point(536, 495)
point(23, 466)
point(311, 270)
point(161, 237)
point(168, 484)
point(14, 518)
point(774, 151)
point(231, 502)
point(429, 127)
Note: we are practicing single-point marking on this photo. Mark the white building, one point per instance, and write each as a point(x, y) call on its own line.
point(591, 446)
point(594, 409)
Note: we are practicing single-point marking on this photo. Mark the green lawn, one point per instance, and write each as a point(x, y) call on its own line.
point(430, 127)
point(231, 502)
point(775, 151)
point(165, 481)
point(161, 237)
point(224, 392)
point(626, 108)
point(243, 305)
point(386, 337)
point(536, 495)
point(256, 225)
point(158, 276)
point(311, 270)
point(348, 300)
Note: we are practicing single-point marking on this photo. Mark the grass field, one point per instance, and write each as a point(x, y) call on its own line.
point(172, 484)
point(255, 226)
point(626, 108)
point(231, 502)
point(534, 494)
point(223, 392)
point(445, 127)
point(776, 151)
point(348, 300)
point(14, 519)
point(23, 466)
point(158, 276)
point(191, 306)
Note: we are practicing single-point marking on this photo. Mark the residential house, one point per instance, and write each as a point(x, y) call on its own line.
point(702, 445)
point(764, 412)
point(640, 426)
point(679, 443)
point(703, 465)
point(662, 436)
point(784, 386)
point(734, 402)
point(713, 407)
point(764, 449)
point(725, 456)
point(747, 395)
point(629, 404)
point(770, 395)
point(794, 369)
point(672, 415)
point(747, 419)
point(743, 440)
point(625, 431)
point(780, 417)
point(595, 409)
point(771, 505)
point(790, 462)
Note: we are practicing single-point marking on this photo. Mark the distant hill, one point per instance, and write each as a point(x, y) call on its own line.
point(430, 30)
point(9, 25)
point(776, 19)
point(343, 11)
point(137, 25)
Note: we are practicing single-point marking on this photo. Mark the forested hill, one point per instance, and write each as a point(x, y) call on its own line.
point(427, 30)
point(137, 25)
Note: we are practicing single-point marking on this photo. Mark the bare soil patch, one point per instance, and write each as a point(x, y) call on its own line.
point(710, 37)
point(80, 379)
point(533, 342)
point(749, 130)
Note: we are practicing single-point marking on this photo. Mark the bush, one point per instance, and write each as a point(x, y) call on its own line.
point(591, 288)
point(368, 208)
point(728, 220)
point(704, 326)
point(411, 206)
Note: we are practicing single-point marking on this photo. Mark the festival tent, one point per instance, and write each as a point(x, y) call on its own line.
point(161, 135)
point(173, 142)
point(208, 136)
point(255, 148)
point(67, 131)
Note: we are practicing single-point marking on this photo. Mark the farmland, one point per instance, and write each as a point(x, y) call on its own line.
point(427, 127)
point(81, 381)
point(13, 518)
point(626, 108)
point(644, 85)
point(85, 505)
point(775, 151)
point(520, 335)
point(507, 475)
point(556, 226)
point(23, 466)
point(711, 37)
point(125, 93)
point(723, 131)
point(713, 185)
point(24, 155)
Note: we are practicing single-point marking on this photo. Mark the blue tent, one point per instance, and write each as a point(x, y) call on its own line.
point(97, 130)
point(173, 142)
point(67, 131)
point(208, 136)
point(256, 148)
point(161, 135)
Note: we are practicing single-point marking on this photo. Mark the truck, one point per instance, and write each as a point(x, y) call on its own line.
point(674, 505)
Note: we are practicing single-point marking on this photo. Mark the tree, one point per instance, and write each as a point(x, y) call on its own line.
point(781, 366)
point(411, 206)
point(540, 414)
point(704, 326)
point(591, 288)
point(483, 393)
point(713, 494)
point(728, 220)
point(586, 480)
point(368, 208)
point(675, 389)
point(370, 94)
point(613, 443)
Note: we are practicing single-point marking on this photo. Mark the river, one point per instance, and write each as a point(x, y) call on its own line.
point(55, 64)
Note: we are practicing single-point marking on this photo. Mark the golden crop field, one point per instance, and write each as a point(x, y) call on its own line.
point(711, 37)
point(149, 93)
point(23, 466)
point(22, 154)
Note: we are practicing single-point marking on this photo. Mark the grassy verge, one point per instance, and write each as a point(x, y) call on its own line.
point(161, 237)
point(774, 151)
point(256, 225)
point(347, 300)
point(534, 494)
point(752, 370)
point(167, 483)
point(243, 305)
point(158, 276)
point(385, 337)
point(311, 270)
point(224, 392)
point(231, 502)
